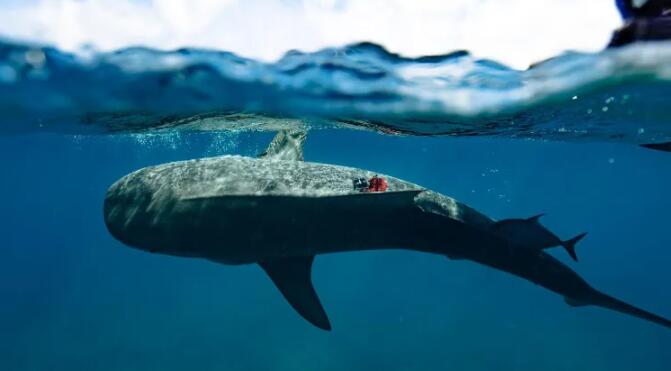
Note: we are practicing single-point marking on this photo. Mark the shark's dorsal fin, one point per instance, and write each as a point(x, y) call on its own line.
point(293, 277)
point(287, 145)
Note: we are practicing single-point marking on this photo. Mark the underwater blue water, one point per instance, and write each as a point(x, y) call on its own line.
point(75, 298)
point(556, 139)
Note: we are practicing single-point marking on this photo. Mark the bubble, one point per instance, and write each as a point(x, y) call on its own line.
point(36, 58)
point(222, 143)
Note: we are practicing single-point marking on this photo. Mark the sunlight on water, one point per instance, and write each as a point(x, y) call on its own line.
point(571, 97)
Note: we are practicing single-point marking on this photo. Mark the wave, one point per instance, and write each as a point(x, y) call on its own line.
point(620, 94)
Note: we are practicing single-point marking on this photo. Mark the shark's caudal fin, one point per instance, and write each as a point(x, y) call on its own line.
point(293, 277)
point(666, 147)
point(609, 302)
point(569, 245)
point(287, 145)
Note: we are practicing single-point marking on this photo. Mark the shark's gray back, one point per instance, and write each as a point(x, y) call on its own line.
point(244, 176)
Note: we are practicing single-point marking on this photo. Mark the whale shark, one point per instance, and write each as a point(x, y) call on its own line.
point(279, 211)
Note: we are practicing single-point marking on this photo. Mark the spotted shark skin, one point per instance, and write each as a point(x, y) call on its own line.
point(280, 212)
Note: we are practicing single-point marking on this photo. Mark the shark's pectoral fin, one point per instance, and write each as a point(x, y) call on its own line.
point(293, 277)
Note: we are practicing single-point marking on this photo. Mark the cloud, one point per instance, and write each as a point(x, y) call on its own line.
point(516, 32)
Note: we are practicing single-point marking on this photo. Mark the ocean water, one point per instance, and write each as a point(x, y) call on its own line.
point(560, 138)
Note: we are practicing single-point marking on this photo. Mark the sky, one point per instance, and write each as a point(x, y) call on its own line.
point(515, 32)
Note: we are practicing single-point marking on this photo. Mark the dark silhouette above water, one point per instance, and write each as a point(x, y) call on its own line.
point(644, 21)
point(279, 212)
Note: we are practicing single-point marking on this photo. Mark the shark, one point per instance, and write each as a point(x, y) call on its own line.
point(279, 212)
point(532, 234)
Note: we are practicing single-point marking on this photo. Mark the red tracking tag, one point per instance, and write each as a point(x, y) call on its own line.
point(376, 184)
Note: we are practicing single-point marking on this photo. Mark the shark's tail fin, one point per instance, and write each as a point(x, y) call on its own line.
point(666, 147)
point(622, 307)
point(569, 245)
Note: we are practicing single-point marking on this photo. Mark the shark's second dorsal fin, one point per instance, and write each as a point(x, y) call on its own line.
point(293, 277)
point(287, 145)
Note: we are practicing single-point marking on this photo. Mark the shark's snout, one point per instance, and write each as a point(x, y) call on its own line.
point(124, 211)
